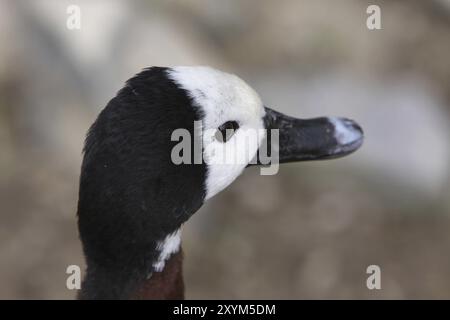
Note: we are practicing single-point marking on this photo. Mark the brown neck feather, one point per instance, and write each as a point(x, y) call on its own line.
point(167, 284)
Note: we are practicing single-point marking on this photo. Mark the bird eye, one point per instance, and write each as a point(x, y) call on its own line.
point(226, 131)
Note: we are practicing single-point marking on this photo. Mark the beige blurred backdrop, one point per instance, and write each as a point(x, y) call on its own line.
point(310, 231)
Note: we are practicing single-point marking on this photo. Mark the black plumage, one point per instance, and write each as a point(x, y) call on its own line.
point(131, 194)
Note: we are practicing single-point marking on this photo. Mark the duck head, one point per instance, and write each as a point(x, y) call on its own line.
point(134, 196)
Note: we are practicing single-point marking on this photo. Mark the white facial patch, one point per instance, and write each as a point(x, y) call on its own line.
point(344, 134)
point(167, 247)
point(223, 97)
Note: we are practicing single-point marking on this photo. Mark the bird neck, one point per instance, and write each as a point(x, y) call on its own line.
point(167, 284)
point(124, 282)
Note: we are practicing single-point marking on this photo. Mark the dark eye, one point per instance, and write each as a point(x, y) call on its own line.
point(226, 131)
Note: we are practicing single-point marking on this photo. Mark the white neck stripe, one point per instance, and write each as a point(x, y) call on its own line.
point(167, 247)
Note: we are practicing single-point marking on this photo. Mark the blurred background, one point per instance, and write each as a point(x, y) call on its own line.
point(308, 232)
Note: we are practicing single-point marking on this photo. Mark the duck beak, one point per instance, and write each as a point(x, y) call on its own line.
point(310, 139)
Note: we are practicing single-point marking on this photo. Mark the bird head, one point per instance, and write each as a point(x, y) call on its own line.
point(134, 190)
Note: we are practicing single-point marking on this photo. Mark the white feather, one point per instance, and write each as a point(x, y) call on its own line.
point(167, 247)
point(223, 97)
